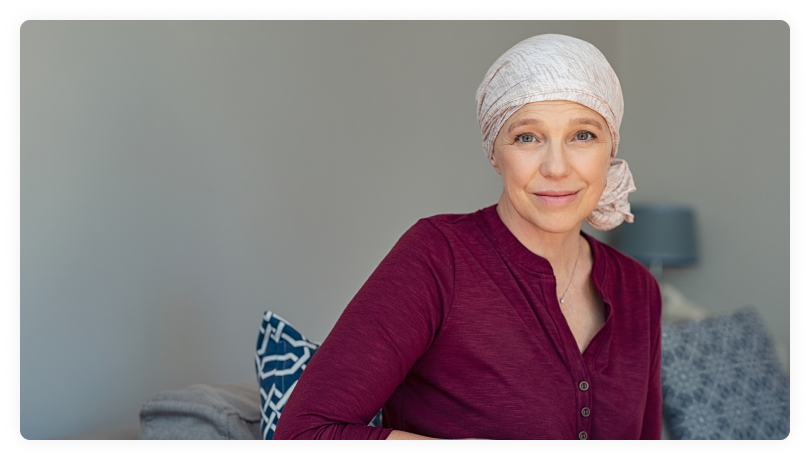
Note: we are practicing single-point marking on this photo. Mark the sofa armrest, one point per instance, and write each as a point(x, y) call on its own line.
point(226, 411)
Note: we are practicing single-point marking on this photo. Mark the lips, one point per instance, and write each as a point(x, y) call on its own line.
point(557, 197)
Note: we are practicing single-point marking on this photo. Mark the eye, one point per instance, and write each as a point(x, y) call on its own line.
point(526, 138)
point(584, 136)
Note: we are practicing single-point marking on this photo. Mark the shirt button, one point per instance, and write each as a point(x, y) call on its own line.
point(585, 412)
point(583, 435)
point(583, 385)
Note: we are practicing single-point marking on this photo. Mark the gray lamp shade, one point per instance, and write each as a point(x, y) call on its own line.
point(661, 234)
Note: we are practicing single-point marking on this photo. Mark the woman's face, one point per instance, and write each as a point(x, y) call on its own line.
point(553, 157)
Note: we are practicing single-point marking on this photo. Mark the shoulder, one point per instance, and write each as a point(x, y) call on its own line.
point(437, 239)
point(622, 277)
point(451, 220)
point(616, 270)
point(430, 239)
point(614, 264)
point(444, 226)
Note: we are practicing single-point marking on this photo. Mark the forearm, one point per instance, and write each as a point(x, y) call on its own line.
point(294, 430)
point(397, 435)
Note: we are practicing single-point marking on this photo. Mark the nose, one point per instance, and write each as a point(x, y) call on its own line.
point(555, 162)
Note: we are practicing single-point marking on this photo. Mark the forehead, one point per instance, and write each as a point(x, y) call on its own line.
point(555, 111)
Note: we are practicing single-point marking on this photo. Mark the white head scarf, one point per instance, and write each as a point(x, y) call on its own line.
point(553, 68)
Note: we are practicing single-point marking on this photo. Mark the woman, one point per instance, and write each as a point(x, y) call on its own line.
point(508, 323)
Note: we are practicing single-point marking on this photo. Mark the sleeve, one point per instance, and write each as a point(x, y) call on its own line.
point(651, 427)
point(383, 331)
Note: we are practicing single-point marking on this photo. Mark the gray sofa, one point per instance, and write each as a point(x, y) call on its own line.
point(233, 410)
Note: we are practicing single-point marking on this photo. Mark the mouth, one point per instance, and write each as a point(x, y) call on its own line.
point(557, 197)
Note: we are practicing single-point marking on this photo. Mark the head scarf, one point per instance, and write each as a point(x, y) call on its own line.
point(553, 68)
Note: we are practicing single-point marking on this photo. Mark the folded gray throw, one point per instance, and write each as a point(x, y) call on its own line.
point(228, 411)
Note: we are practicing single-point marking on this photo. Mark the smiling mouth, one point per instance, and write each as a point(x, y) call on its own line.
point(557, 197)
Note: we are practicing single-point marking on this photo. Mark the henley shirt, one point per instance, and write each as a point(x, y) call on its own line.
point(458, 333)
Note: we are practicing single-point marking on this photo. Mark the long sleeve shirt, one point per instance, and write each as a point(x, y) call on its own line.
point(459, 334)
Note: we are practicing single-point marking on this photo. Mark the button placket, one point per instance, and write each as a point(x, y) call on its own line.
point(584, 409)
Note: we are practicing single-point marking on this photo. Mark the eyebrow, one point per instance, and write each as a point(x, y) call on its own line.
point(524, 122)
point(574, 122)
point(586, 121)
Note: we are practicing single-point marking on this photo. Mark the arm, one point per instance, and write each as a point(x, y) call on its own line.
point(383, 331)
point(651, 426)
point(397, 435)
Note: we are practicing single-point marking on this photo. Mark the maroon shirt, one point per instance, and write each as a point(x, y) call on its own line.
point(458, 334)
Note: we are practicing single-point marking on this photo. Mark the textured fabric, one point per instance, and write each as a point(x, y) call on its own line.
point(228, 411)
point(613, 207)
point(458, 333)
point(282, 353)
point(124, 432)
point(552, 68)
point(722, 379)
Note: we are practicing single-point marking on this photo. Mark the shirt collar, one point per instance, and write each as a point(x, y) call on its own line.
point(511, 248)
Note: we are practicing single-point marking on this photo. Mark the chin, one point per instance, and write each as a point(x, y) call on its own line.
point(560, 228)
point(559, 222)
point(555, 220)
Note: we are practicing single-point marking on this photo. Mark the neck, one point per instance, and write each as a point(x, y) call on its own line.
point(559, 248)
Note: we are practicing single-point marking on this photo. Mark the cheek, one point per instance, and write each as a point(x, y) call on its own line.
point(603, 176)
point(595, 173)
point(516, 185)
point(605, 168)
point(517, 170)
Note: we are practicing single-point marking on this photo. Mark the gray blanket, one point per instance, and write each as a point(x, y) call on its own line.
point(228, 411)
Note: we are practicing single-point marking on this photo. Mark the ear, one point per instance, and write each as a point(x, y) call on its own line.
point(494, 163)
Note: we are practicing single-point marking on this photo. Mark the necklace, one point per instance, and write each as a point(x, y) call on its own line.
point(579, 249)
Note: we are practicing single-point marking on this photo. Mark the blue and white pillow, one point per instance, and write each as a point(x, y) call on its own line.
point(282, 354)
point(722, 379)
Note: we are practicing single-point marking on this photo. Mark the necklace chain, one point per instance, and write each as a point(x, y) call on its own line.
point(579, 249)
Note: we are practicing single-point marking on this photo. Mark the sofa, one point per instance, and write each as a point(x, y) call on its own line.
point(723, 377)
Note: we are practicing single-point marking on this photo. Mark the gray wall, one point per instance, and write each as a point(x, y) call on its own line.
point(178, 179)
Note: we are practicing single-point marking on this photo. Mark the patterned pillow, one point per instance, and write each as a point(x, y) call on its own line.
point(722, 379)
point(282, 354)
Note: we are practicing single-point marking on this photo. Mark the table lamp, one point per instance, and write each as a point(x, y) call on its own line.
point(661, 234)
